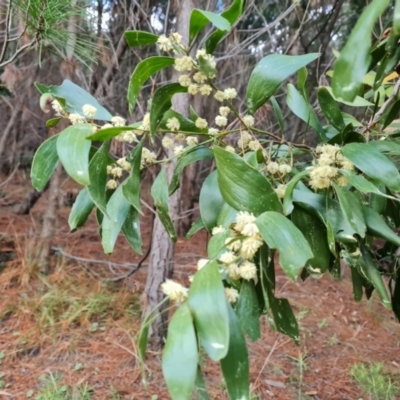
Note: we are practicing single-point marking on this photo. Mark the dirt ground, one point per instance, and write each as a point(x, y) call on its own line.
point(77, 333)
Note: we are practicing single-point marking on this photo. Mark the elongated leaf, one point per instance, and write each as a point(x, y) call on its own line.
point(139, 38)
point(373, 163)
point(248, 310)
point(396, 18)
point(180, 355)
point(44, 163)
point(208, 304)
point(278, 113)
point(198, 154)
point(162, 102)
point(357, 281)
point(98, 177)
point(288, 198)
point(284, 319)
point(199, 19)
point(75, 98)
point(207, 67)
point(81, 210)
point(210, 201)
point(352, 209)
point(280, 233)
point(369, 270)
point(117, 211)
point(243, 187)
point(231, 15)
point(235, 366)
point(357, 102)
point(186, 124)
point(227, 216)
point(330, 109)
point(315, 233)
point(159, 192)
point(304, 111)
point(269, 74)
point(302, 75)
point(216, 245)
point(201, 386)
point(131, 230)
point(53, 122)
point(108, 133)
point(73, 150)
point(143, 71)
point(351, 66)
point(131, 186)
point(396, 297)
point(196, 227)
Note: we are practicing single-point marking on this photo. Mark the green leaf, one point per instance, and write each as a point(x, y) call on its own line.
point(330, 109)
point(376, 226)
point(210, 201)
point(161, 103)
point(53, 122)
point(117, 211)
point(143, 71)
point(227, 216)
point(131, 230)
point(231, 15)
point(81, 210)
point(180, 355)
point(288, 198)
point(199, 153)
point(280, 233)
point(73, 150)
point(351, 66)
point(357, 102)
point(201, 386)
point(357, 281)
point(216, 245)
point(207, 68)
point(278, 113)
point(396, 297)
point(269, 74)
point(352, 209)
point(369, 270)
point(304, 111)
point(98, 177)
point(108, 133)
point(284, 319)
point(373, 163)
point(235, 366)
point(243, 187)
point(196, 227)
point(44, 163)
point(159, 192)
point(396, 18)
point(248, 310)
point(302, 75)
point(140, 38)
point(75, 98)
point(186, 125)
point(199, 19)
point(315, 233)
point(131, 186)
point(209, 307)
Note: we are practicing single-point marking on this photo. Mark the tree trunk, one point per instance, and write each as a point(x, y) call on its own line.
point(162, 252)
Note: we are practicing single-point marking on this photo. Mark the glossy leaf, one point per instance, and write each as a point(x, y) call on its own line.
point(208, 305)
point(351, 66)
point(207, 67)
point(73, 150)
point(369, 270)
point(216, 245)
point(53, 122)
point(199, 19)
point(278, 113)
point(75, 98)
point(231, 15)
point(288, 198)
point(131, 230)
point(357, 281)
point(330, 109)
point(285, 320)
point(44, 163)
point(269, 74)
point(357, 102)
point(248, 310)
point(109, 133)
point(98, 177)
point(352, 209)
point(396, 18)
point(199, 153)
point(81, 210)
point(143, 71)
point(304, 111)
point(373, 163)
point(139, 38)
point(117, 211)
point(227, 216)
point(235, 366)
point(180, 355)
point(131, 186)
point(302, 75)
point(210, 201)
point(281, 234)
point(196, 227)
point(159, 192)
point(201, 386)
point(162, 102)
point(243, 187)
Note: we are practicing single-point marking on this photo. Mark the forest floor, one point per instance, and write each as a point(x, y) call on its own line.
point(72, 335)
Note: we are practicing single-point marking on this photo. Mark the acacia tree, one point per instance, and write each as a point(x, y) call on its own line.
point(315, 206)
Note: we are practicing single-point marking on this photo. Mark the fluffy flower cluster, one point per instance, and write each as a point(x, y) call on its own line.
point(167, 44)
point(326, 168)
point(174, 290)
point(148, 157)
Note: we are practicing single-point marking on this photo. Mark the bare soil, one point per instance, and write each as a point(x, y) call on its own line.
point(100, 350)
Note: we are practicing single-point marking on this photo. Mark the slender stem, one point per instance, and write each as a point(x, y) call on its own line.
point(8, 23)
